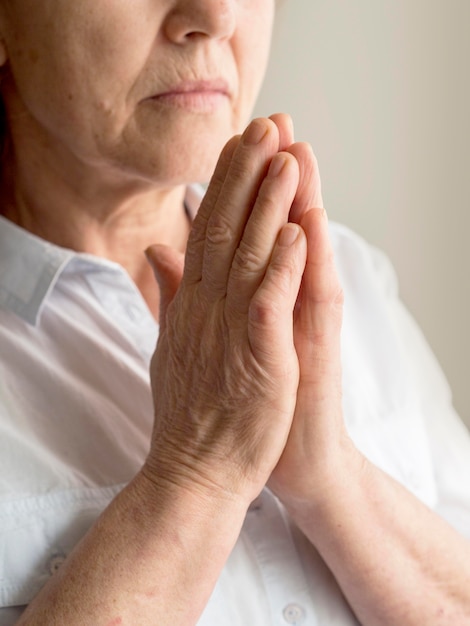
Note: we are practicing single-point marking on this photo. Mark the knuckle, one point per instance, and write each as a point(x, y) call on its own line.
point(263, 312)
point(246, 260)
point(242, 165)
point(197, 234)
point(268, 197)
point(334, 296)
point(284, 270)
point(338, 297)
point(218, 232)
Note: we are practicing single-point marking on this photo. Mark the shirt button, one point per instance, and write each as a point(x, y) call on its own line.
point(293, 614)
point(55, 562)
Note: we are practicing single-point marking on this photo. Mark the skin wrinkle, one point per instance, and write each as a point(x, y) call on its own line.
point(242, 396)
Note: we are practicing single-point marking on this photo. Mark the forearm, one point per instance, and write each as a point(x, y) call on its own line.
point(153, 557)
point(397, 562)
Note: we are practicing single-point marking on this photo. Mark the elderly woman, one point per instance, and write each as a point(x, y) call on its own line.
point(252, 479)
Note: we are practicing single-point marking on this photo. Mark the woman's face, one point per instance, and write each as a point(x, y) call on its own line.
point(141, 88)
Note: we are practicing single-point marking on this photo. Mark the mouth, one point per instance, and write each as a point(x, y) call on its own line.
point(197, 96)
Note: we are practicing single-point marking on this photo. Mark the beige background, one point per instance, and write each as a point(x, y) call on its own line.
point(381, 89)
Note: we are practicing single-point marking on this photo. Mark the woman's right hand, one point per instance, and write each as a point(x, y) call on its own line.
point(225, 371)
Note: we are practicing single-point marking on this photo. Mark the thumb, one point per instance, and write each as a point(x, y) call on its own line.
point(167, 264)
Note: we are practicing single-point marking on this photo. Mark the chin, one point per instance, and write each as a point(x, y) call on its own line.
point(179, 169)
point(195, 171)
point(192, 162)
point(183, 150)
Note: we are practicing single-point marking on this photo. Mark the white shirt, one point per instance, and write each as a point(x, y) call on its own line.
point(76, 415)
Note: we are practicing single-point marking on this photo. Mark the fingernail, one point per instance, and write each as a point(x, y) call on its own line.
point(255, 132)
point(277, 164)
point(288, 235)
point(291, 126)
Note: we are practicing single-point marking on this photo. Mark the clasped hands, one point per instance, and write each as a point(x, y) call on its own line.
point(246, 376)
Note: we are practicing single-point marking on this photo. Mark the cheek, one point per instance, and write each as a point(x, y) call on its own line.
point(74, 94)
point(84, 48)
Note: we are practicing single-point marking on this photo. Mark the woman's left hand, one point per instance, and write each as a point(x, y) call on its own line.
point(372, 533)
point(317, 438)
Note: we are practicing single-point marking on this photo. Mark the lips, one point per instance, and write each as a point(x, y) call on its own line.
point(217, 85)
point(197, 96)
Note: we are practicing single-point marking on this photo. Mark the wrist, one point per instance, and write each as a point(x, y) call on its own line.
point(327, 484)
point(186, 493)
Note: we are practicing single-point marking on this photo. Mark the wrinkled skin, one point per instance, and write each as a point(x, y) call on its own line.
point(226, 371)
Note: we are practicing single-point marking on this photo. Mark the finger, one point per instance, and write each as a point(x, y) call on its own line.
point(309, 190)
point(195, 246)
point(167, 265)
point(286, 129)
point(227, 220)
point(270, 328)
point(269, 215)
point(319, 314)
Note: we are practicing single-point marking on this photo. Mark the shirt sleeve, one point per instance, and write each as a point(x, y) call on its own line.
point(449, 437)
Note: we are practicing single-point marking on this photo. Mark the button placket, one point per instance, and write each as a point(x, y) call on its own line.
point(285, 584)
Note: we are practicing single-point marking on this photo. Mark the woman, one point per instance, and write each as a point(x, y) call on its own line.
point(111, 517)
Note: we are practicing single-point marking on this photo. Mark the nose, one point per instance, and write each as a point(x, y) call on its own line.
point(189, 19)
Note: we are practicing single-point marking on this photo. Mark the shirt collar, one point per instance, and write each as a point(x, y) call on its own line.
point(192, 199)
point(30, 266)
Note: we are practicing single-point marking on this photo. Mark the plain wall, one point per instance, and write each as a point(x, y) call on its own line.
point(381, 90)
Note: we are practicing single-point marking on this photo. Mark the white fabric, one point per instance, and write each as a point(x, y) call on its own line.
point(76, 414)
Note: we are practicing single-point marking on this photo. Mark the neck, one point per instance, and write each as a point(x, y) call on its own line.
point(117, 223)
